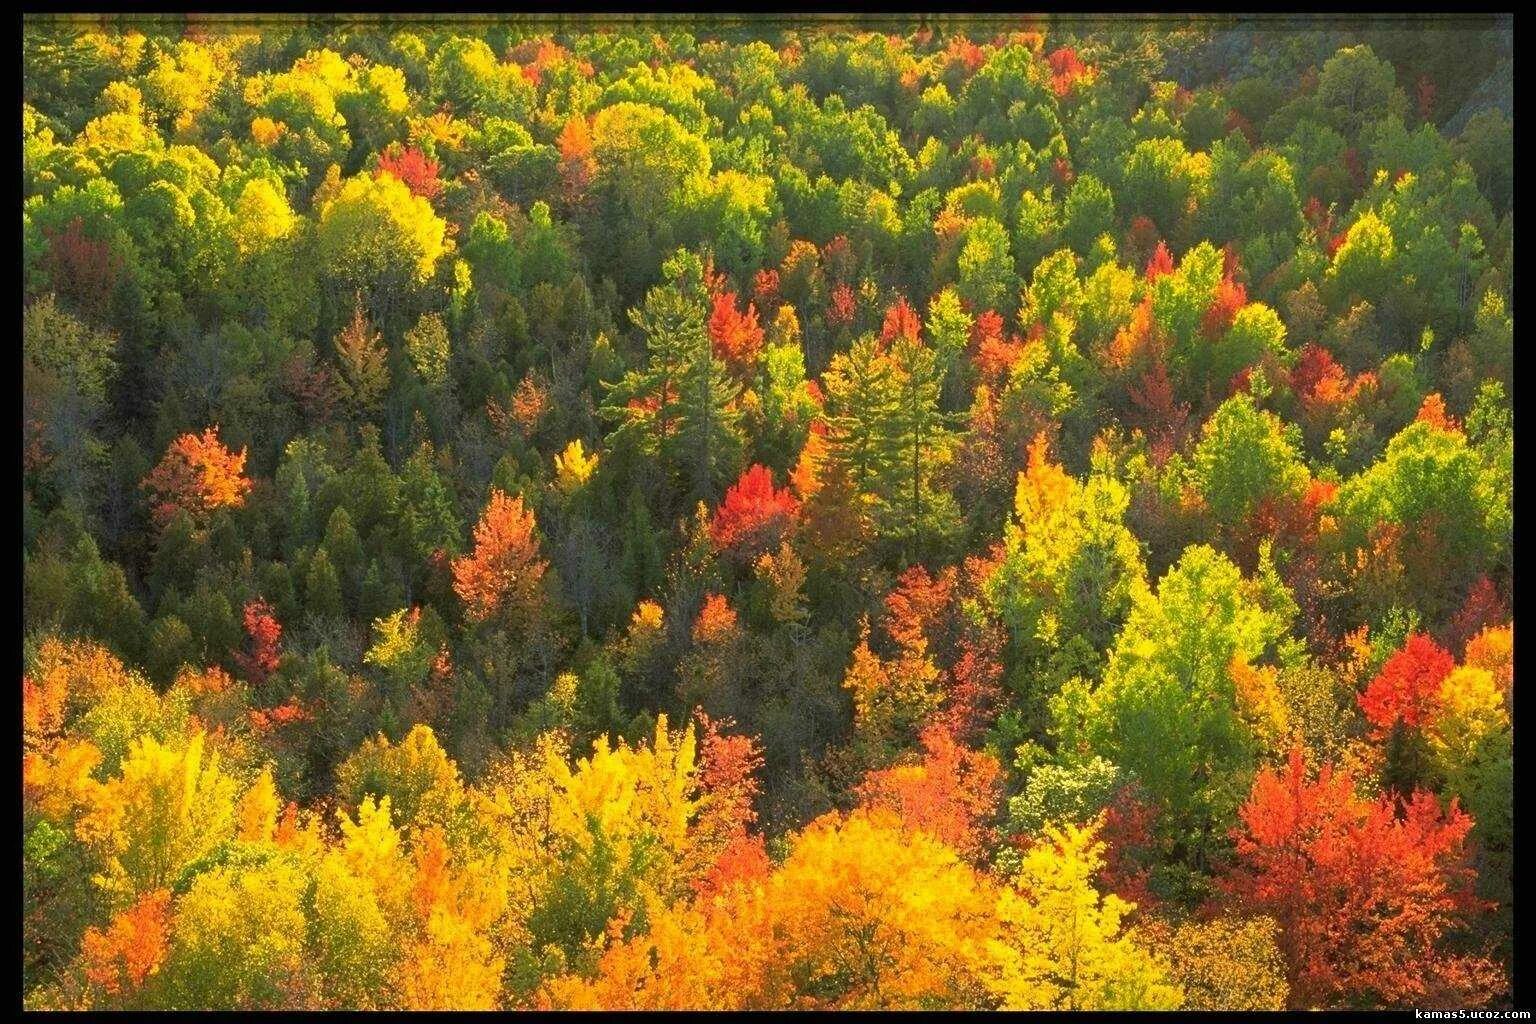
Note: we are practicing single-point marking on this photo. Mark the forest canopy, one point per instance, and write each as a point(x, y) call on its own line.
point(948, 514)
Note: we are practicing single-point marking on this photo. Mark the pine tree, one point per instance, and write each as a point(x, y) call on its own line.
point(679, 408)
point(917, 507)
point(885, 426)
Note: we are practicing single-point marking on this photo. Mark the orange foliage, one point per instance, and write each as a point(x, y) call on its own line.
point(1364, 892)
point(577, 163)
point(198, 475)
point(1135, 342)
point(1432, 411)
point(735, 336)
point(728, 766)
point(916, 605)
point(951, 793)
point(717, 622)
point(1230, 297)
point(1407, 689)
point(132, 947)
point(504, 571)
point(1067, 70)
point(1494, 649)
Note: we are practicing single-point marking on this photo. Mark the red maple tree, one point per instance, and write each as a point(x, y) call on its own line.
point(413, 167)
point(265, 635)
point(1407, 689)
point(736, 337)
point(753, 516)
point(1365, 892)
point(504, 572)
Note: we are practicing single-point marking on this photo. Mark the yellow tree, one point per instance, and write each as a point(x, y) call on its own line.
point(1061, 945)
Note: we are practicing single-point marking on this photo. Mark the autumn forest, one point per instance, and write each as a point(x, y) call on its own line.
point(928, 513)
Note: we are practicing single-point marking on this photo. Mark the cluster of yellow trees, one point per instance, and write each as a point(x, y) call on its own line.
point(625, 878)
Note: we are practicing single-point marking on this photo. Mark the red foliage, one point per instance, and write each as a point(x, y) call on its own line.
point(1159, 413)
point(1129, 848)
point(1140, 240)
point(736, 337)
point(951, 794)
point(1161, 263)
point(837, 255)
point(1229, 298)
point(1407, 689)
point(765, 288)
point(988, 325)
point(842, 307)
point(312, 385)
point(412, 166)
point(753, 517)
point(900, 321)
point(1424, 93)
point(1483, 607)
point(547, 55)
point(728, 777)
point(1319, 217)
point(81, 267)
point(290, 712)
point(990, 353)
point(1314, 365)
point(1237, 122)
point(975, 691)
point(918, 604)
point(1061, 169)
point(1355, 166)
point(1364, 892)
point(266, 634)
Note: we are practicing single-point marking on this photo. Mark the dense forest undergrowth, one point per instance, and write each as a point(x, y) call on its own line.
point(967, 515)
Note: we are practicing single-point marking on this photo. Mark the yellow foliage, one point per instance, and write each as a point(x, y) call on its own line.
point(860, 916)
point(453, 965)
point(1471, 709)
point(370, 847)
point(1061, 945)
point(1228, 964)
point(628, 790)
point(57, 784)
point(370, 222)
point(168, 807)
point(262, 215)
point(1261, 704)
point(573, 467)
point(258, 811)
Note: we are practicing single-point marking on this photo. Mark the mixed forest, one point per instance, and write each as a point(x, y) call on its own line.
point(931, 514)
